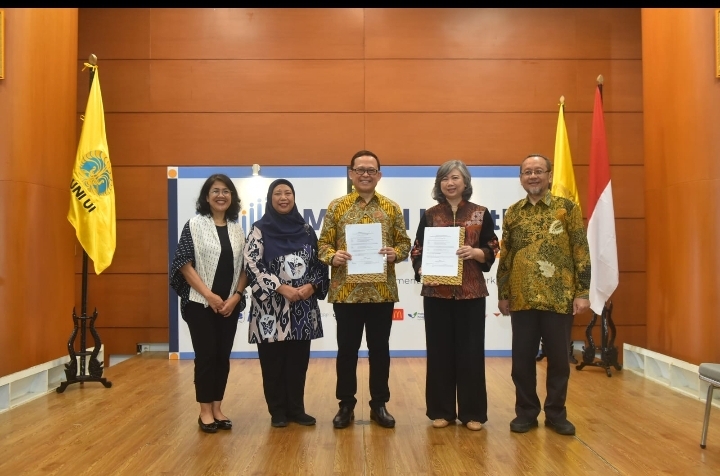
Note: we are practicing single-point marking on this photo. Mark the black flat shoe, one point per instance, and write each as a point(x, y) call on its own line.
point(520, 425)
point(278, 422)
point(209, 427)
point(303, 419)
point(223, 424)
point(561, 427)
point(343, 417)
point(382, 417)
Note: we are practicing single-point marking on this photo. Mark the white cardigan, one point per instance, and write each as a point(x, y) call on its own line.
point(207, 252)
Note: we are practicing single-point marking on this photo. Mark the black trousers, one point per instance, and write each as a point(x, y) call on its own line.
point(528, 328)
point(376, 320)
point(212, 338)
point(284, 366)
point(455, 342)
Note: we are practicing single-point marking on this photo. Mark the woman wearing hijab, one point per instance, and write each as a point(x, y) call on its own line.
point(286, 279)
point(208, 274)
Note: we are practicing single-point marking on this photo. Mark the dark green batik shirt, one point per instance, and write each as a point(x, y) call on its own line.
point(544, 256)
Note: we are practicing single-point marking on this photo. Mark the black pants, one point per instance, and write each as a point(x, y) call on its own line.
point(455, 342)
point(376, 319)
point(554, 329)
point(212, 338)
point(284, 366)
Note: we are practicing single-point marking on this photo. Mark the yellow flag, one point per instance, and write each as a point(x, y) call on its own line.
point(92, 195)
point(563, 184)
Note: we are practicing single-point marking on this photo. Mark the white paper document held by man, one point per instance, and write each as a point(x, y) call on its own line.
point(364, 242)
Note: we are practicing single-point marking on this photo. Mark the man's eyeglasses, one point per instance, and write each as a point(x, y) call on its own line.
point(528, 173)
point(217, 191)
point(361, 171)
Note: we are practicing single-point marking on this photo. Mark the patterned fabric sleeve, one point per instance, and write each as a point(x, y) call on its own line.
point(580, 252)
point(184, 253)
point(261, 281)
point(401, 240)
point(326, 242)
point(488, 241)
point(319, 275)
point(506, 257)
point(416, 253)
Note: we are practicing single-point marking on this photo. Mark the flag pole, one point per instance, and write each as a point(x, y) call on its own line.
point(608, 351)
point(96, 368)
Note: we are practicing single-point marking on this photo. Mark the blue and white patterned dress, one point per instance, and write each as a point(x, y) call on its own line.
point(272, 317)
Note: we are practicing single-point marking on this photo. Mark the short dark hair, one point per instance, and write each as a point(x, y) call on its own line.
point(203, 207)
point(547, 161)
point(445, 169)
point(363, 153)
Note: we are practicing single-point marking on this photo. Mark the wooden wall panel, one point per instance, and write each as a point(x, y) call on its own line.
point(233, 139)
point(631, 243)
point(624, 133)
point(682, 182)
point(36, 286)
point(230, 86)
point(37, 135)
point(257, 33)
point(114, 33)
point(497, 33)
point(127, 300)
point(627, 183)
point(140, 192)
point(495, 138)
point(125, 86)
point(141, 247)
point(498, 85)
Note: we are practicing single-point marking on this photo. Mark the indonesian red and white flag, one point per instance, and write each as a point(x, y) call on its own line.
point(604, 271)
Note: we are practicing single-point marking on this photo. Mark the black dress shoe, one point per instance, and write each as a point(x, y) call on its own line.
point(207, 427)
point(520, 425)
point(381, 416)
point(303, 419)
point(223, 424)
point(343, 417)
point(278, 421)
point(561, 427)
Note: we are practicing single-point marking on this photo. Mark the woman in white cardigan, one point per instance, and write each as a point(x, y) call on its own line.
point(208, 274)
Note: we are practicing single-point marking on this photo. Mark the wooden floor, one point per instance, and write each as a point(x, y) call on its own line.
point(147, 424)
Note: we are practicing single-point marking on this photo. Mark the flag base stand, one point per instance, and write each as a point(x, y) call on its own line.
point(95, 368)
point(608, 352)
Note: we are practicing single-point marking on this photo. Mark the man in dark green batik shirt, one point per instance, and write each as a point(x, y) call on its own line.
point(543, 281)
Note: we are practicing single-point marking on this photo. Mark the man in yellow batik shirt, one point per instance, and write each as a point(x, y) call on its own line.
point(543, 281)
point(369, 305)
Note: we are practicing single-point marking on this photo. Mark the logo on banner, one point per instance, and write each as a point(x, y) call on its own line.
point(417, 315)
point(397, 315)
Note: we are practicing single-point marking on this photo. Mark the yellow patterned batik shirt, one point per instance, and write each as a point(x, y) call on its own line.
point(544, 256)
point(349, 210)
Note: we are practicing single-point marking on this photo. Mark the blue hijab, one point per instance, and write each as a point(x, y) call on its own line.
point(283, 233)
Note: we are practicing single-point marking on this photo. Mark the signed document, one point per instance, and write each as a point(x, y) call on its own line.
point(363, 243)
point(440, 262)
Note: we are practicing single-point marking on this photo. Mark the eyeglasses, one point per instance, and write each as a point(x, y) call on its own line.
point(528, 173)
point(361, 171)
point(217, 191)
